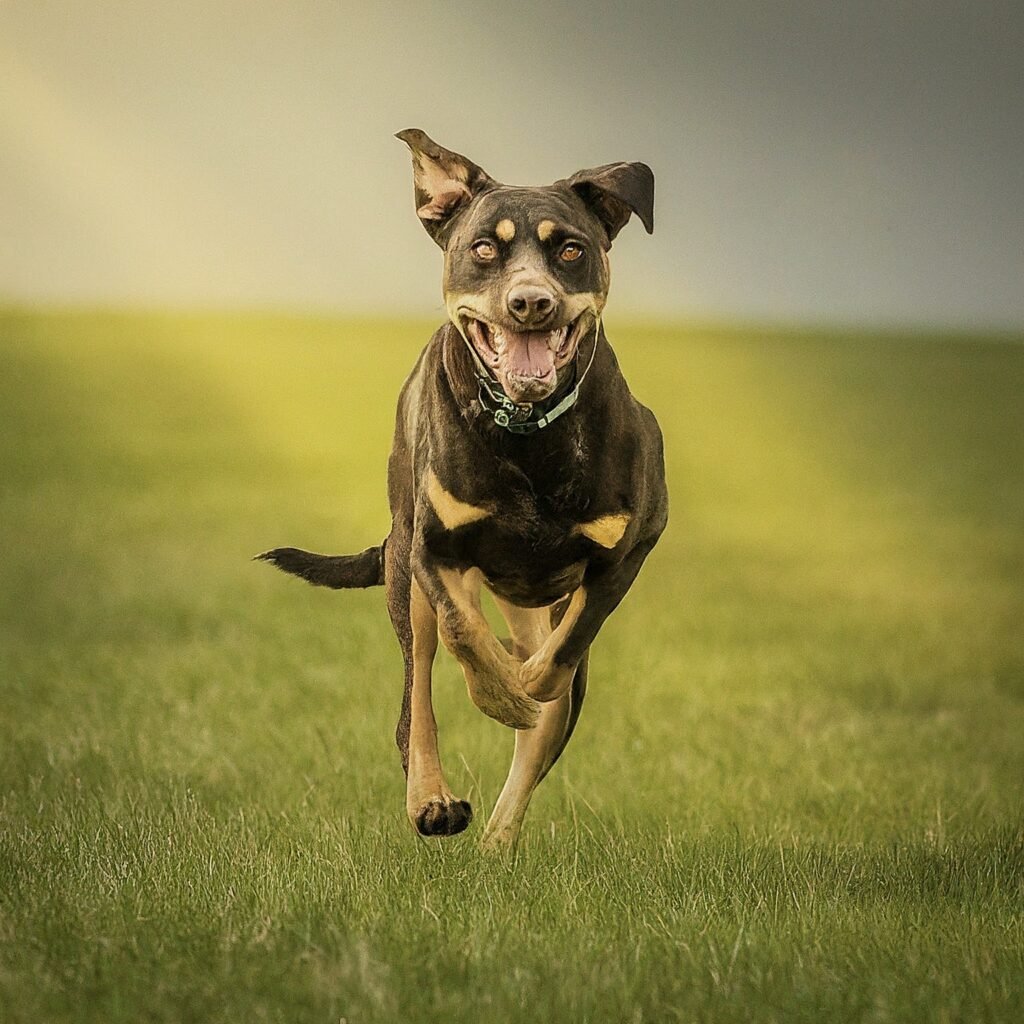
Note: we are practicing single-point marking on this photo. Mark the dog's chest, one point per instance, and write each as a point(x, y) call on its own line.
point(527, 555)
point(527, 544)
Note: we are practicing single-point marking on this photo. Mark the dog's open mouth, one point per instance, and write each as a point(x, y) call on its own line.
point(526, 363)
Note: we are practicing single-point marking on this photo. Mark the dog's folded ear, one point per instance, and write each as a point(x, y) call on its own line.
point(444, 181)
point(614, 191)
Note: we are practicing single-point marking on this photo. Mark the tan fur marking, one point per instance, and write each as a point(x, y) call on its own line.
point(491, 672)
point(505, 230)
point(544, 229)
point(426, 780)
point(462, 304)
point(452, 512)
point(534, 747)
point(541, 678)
point(607, 530)
point(464, 590)
point(579, 302)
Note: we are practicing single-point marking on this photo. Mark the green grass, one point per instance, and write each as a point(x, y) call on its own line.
point(795, 793)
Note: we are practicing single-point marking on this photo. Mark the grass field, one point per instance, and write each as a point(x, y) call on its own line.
point(796, 792)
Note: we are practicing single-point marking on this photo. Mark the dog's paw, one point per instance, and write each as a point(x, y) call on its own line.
point(442, 816)
point(543, 681)
point(516, 710)
point(505, 704)
point(499, 839)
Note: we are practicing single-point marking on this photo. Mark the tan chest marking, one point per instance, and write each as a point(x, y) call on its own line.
point(544, 229)
point(607, 530)
point(505, 230)
point(452, 512)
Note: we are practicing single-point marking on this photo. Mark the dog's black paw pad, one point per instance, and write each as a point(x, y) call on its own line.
point(443, 817)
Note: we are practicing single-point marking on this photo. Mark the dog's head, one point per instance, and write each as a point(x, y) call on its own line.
point(525, 269)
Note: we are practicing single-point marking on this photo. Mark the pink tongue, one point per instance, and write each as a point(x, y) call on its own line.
point(528, 353)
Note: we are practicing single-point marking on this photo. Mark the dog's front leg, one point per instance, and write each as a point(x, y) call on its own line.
point(492, 674)
point(544, 675)
point(547, 675)
point(431, 807)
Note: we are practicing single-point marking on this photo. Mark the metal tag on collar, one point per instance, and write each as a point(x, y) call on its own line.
point(507, 413)
point(511, 415)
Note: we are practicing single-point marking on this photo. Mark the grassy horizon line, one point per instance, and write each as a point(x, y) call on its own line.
point(713, 323)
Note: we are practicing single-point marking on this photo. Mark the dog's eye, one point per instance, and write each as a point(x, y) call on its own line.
point(570, 252)
point(483, 250)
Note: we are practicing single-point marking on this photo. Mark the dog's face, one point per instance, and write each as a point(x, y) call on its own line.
point(526, 269)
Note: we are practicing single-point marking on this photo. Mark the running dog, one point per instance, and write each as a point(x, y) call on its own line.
point(521, 463)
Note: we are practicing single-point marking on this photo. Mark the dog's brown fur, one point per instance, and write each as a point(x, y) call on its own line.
point(554, 520)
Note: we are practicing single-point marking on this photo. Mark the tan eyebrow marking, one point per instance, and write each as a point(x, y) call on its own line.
point(544, 229)
point(505, 230)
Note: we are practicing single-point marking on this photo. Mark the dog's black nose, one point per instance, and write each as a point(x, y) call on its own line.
point(530, 304)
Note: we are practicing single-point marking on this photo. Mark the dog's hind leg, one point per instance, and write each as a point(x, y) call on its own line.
point(577, 693)
point(578, 690)
point(397, 581)
point(537, 749)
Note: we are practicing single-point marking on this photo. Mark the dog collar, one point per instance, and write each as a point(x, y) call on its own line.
point(516, 417)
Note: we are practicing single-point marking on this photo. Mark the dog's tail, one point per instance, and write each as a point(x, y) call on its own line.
point(339, 572)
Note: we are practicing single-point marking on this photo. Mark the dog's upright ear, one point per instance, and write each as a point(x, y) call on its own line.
point(614, 191)
point(444, 181)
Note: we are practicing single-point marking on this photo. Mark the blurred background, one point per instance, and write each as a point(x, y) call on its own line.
point(854, 163)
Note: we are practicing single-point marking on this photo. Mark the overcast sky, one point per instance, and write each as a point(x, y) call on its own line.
point(856, 162)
